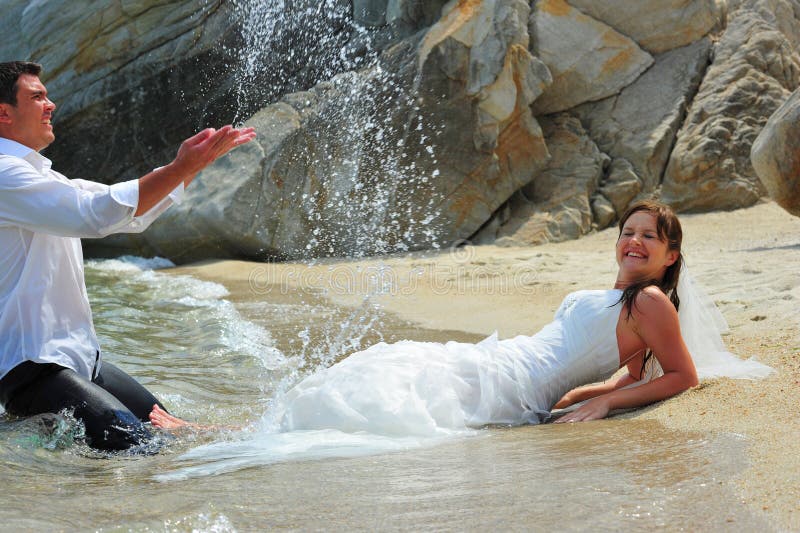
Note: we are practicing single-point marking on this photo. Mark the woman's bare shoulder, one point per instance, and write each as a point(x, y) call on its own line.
point(652, 300)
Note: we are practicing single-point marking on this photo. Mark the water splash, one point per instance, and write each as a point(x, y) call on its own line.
point(375, 198)
point(290, 45)
point(366, 154)
point(50, 431)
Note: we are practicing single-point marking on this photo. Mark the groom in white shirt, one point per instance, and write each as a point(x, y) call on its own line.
point(50, 358)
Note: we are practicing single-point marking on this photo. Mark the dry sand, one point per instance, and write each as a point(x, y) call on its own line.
point(748, 260)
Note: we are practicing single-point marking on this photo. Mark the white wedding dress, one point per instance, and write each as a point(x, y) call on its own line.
point(425, 388)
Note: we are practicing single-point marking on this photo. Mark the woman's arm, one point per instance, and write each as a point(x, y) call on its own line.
point(586, 392)
point(655, 320)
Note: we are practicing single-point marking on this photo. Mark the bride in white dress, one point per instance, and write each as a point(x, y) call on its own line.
point(655, 322)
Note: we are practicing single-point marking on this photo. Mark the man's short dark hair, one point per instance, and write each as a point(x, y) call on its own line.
point(9, 75)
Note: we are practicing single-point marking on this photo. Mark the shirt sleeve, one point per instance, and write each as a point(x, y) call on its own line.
point(127, 193)
point(49, 205)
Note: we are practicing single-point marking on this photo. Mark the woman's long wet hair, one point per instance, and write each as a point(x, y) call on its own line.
point(668, 228)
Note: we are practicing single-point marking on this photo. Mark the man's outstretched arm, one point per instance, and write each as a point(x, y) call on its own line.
point(194, 154)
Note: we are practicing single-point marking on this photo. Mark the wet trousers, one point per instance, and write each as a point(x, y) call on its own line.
point(112, 406)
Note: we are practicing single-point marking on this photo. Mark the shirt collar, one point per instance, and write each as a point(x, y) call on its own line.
point(13, 148)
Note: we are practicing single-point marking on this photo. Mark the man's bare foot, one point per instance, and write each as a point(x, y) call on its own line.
point(162, 419)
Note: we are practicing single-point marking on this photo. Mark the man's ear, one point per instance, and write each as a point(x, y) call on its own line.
point(5, 117)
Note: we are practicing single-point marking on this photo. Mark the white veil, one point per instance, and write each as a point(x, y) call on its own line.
point(702, 325)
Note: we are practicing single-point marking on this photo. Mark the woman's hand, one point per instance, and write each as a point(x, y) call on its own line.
point(565, 401)
point(585, 392)
point(594, 409)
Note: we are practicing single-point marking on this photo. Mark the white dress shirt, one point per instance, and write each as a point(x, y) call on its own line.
point(44, 309)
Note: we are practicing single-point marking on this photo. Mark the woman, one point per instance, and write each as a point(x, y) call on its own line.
point(649, 256)
point(421, 388)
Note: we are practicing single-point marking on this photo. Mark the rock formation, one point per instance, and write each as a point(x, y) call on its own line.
point(640, 123)
point(656, 25)
point(755, 67)
point(390, 125)
point(556, 205)
point(587, 59)
point(776, 155)
point(364, 164)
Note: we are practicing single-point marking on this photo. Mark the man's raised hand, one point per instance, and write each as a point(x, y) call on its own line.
point(202, 149)
point(194, 154)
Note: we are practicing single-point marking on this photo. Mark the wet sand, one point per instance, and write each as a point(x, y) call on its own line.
point(748, 260)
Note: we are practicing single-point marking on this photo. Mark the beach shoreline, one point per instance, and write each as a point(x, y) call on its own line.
point(748, 260)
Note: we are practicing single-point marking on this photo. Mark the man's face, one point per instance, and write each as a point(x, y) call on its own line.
point(28, 122)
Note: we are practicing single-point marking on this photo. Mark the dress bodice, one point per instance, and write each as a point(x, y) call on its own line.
point(578, 347)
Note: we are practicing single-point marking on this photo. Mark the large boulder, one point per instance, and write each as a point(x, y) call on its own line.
point(755, 68)
point(588, 59)
point(418, 150)
point(656, 25)
point(776, 155)
point(477, 57)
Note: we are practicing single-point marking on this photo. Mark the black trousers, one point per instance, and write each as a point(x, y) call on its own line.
point(112, 406)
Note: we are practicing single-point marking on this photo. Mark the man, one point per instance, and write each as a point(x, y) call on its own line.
point(50, 358)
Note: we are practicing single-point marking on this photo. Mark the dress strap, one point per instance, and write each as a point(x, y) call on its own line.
point(625, 362)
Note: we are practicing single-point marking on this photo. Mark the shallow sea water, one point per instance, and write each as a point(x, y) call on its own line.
point(217, 360)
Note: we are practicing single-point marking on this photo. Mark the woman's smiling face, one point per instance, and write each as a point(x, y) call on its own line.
point(641, 254)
